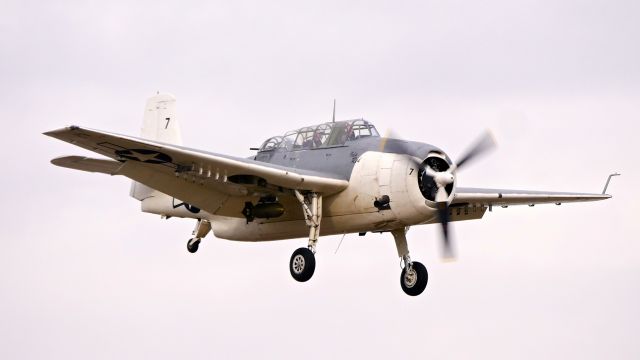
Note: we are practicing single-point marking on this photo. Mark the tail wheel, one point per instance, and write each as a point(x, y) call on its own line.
point(302, 264)
point(414, 278)
point(192, 245)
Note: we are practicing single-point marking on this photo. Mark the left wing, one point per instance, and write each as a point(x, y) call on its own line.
point(187, 174)
point(500, 197)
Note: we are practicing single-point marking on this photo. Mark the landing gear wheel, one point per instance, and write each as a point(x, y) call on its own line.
point(302, 264)
point(192, 245)
point(414, 281)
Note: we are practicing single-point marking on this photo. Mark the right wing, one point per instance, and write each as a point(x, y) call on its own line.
point(502, 197)
point(194, 176)
point(472, 203)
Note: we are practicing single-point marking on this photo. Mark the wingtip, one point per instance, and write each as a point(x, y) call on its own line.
point(60, 160)
point(55, 132)
point(598, 197)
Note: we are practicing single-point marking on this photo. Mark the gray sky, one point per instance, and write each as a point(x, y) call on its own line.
point(84, 274)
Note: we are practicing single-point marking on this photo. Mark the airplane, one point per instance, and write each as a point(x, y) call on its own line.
point(340, 177)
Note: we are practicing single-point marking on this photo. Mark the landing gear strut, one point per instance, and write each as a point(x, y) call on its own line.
point(201, 230)
point(414, 275)
point(303, 261)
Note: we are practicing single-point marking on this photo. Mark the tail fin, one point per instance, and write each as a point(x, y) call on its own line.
point(160, 124)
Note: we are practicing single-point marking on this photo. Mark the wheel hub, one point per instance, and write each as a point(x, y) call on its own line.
point(298, 264)
point(410, 278)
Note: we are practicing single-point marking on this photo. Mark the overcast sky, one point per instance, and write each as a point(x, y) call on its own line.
point(85, 274)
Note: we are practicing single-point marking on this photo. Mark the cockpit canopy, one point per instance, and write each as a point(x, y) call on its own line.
point(321, 136)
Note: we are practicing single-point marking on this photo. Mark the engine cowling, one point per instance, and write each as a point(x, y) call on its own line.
point(388, 190)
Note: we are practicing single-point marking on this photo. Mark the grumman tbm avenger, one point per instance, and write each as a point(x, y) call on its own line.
point(337, 177)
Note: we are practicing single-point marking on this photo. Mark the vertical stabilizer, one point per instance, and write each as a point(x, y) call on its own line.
point(160, 124)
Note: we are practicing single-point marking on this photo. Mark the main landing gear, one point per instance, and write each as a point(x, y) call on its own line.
point(414, 276)
point(303, 261)
point(201, 230)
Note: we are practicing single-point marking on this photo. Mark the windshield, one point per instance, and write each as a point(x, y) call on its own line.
point(271, 143)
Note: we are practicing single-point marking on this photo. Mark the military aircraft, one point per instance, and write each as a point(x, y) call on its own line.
point(337, 177)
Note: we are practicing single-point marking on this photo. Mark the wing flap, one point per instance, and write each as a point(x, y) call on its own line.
point(208, 198)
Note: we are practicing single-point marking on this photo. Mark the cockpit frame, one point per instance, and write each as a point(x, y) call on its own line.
point(325, 135)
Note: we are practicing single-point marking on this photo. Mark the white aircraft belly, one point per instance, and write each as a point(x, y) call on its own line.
point(350, 211)
point(237, 229)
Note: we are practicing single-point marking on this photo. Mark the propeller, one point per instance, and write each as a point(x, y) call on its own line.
point(443, 178)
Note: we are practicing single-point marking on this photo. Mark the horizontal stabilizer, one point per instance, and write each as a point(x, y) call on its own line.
point(83, 163)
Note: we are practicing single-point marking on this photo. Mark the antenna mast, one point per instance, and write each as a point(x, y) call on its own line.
point(334, 111)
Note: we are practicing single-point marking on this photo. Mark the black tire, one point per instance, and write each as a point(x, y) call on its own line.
point(192, 248)
point(411, 286)
point(302, 264)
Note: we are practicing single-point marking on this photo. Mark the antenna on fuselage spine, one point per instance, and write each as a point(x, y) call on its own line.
point(333, 119)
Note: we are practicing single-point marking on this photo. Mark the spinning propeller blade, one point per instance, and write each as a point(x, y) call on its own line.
point(447, 250)
point(443, 178)
point(392, 141)
point(483, 144)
